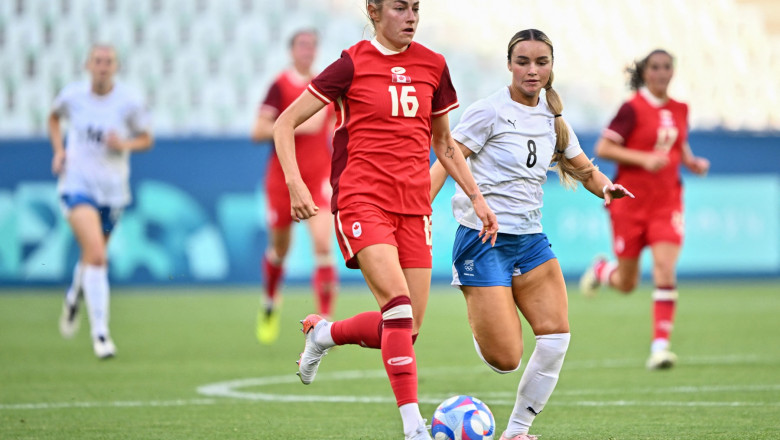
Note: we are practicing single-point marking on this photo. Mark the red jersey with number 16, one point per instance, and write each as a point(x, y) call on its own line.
point(643, 123)
point(384, 105)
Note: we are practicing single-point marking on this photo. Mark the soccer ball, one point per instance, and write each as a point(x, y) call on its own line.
point(463, 418)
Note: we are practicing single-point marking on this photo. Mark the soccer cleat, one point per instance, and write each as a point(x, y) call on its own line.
point(268, 325)
point(420, 434)
point(520, 437)
point(589, 282)
point(104, 347)
point(69, 319)
point(312, 354)
point(661, 360)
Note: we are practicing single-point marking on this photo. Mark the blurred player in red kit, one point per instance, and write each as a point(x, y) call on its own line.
point(313, 156)
point(648, 139)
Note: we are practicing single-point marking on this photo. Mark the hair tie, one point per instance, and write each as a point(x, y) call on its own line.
point(560, 151)
point(557, 116)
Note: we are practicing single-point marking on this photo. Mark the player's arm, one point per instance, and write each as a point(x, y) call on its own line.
point(439, 174)
point(140, 142)
point(263, 128)
point(697, 165)
point(57, 145)
point(304, 107)
point(451, 158)
point(598, 183)
point(607, 148)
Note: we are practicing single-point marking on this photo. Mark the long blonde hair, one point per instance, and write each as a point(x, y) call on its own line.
point(567, 172)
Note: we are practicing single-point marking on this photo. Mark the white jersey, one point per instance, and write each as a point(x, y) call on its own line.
point(91, 168)
point(512, 147)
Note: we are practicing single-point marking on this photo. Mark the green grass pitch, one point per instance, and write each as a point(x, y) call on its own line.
point(189, 367)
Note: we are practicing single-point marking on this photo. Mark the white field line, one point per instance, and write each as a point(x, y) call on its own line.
point(115, 404)
point(235, 389)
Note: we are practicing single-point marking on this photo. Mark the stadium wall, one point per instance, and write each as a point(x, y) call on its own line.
point(198, 216)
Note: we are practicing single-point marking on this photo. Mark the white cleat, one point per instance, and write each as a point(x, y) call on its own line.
point(661, 360)
point(589, 283)
point(69, 320)
point(420, 434)
point(312, 351)
point(104, 347)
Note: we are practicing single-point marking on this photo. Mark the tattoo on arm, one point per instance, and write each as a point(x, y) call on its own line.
point(472, 197)
point(450, 153)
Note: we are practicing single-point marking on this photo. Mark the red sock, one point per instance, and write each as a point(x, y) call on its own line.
point(664, 303)
point(364, 329)
point(397, 349)
point(272, 276)
point(325, 284)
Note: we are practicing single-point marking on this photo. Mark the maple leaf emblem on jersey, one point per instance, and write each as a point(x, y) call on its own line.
point(400, 76)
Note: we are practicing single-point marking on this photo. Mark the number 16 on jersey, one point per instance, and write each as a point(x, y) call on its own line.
point(404, 99)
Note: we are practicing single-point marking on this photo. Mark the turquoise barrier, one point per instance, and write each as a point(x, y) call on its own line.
point(204, 222)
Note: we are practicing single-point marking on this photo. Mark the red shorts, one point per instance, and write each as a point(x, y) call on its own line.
point(278, 196)
point(650, 218)
point(361, 224)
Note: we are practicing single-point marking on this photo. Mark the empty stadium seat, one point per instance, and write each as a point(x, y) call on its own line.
point(181, 51)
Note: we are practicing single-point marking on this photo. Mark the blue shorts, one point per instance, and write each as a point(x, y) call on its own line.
point(477, 264)
point(109, 216)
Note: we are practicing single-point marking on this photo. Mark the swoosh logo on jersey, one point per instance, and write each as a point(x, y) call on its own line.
point(398, 70)
point(400, 360)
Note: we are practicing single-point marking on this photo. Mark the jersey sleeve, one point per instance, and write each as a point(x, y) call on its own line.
point(622, 124)
point(444, 97)
point(138, 118)
point(273, 99)
point(476, 125)
point(334, 81)
point(60, 105)
point(573, 149)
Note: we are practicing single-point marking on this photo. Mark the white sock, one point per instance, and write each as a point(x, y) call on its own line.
point(410, 414)
point(96, 294)
point(538, 381)
point(323, 337)
point(75, 286)
point(659, 344)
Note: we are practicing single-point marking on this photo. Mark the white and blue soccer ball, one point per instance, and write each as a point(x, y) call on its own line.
point(463, 418)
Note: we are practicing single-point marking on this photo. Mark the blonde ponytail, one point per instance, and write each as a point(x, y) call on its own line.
point(568, 173)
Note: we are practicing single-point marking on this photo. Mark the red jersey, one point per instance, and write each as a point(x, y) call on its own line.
point(312, 151)
point(384, 105)
point(644, 124)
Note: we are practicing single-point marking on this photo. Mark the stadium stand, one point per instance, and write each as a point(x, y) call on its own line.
point(204, 64)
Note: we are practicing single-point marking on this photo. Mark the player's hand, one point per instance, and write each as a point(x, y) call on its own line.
point(114, 142)
point(489, 222)
point(699, 166)
point(615, 191)
point(655, 161)
point(301, 204)
point(58, 163)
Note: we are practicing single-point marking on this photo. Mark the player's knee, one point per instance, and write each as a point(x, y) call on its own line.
point(664, 270)
point(552, 325)
point(626, 285)
point(95, 256)
point(504, 364)
point(502, 361)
